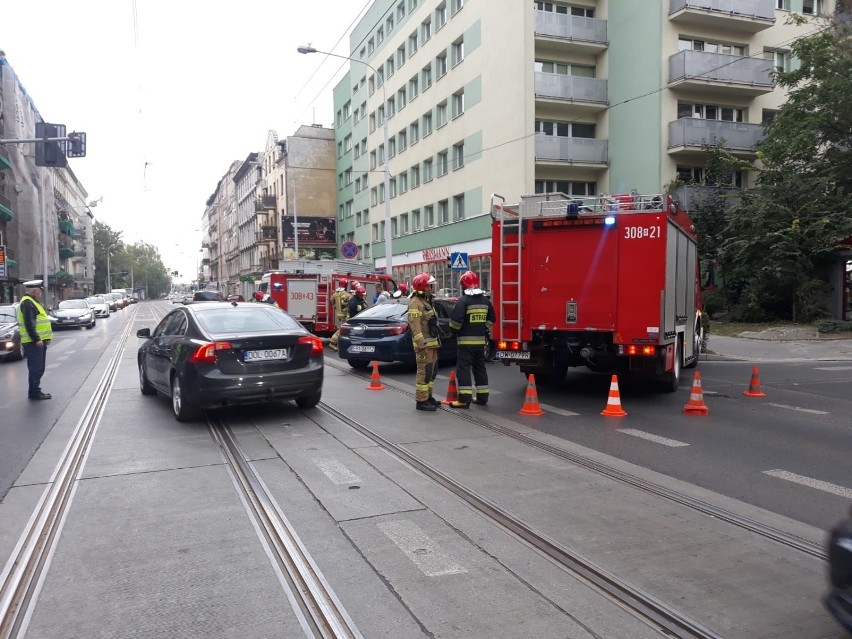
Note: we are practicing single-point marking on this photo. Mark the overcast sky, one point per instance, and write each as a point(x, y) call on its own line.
point(169, 92)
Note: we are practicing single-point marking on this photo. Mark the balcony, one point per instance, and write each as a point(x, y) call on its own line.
point(732, 75)
point(265, 203)
point(561, 32)
point(205, 261)
point(4, 158)
point(557, 94)
point(66, 227)
point(6, 214)
point(66, 253)
point(747, 16)
point(267, 234)
point(689, 135)
point(577, 151)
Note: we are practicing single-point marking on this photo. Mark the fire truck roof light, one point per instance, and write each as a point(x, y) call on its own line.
point(609, 220)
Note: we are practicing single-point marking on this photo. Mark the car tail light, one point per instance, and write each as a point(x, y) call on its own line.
point(397, 329)
point(345, 328)
point(315, 343)
point(206, 353)
point(633, 349)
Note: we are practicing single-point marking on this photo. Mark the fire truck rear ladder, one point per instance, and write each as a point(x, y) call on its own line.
point(512, 286)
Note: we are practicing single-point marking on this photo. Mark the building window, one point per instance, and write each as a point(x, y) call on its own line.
point(401, 98)
point(427, 170)
point(768, 115)
point(441, 110)
point(412, 44)
point(394, 228)
point(390, 67)
point(566, 129)
point(690, 44)
point(381, 154)
point(429, 215)
point(783, 5)
point(426, 76)
point(404, 223)
point(443, 163)
point(392, 184)
point(440, 16)
point(458, 207)
point(457, 5)
point(415, 176)
point(374, 196)
point(376, 237)
point(380, 35)
point(415, 220)
point(709, 112)
point(444, 211)
point(372, 159)
point(441, 65)
point(402, 182)
point(402, 138)
point(389, 23)
point(347, 144)
point(400, 10)
point(372, 87)
point(347, 177)
point(400, 56)
point(347, 110)
point(458, 103)
point(458, 51)
point(380, 115)
point(458, 155)
point(427, 124)
point(371, 45)
point(391, 106)
point(414, 132)
point(576, 189)
point(559, 68)
point(391, 147)
point(812, 7)
point(780, 59)
point(426, 30)
point(413, 87)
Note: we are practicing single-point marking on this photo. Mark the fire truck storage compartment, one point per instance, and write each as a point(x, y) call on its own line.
point(302, 298)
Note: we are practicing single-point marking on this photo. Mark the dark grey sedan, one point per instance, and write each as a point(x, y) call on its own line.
point(10, 334)
point(217, 354)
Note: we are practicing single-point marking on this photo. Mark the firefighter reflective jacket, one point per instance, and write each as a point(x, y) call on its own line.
point(420, 314)
point(356, 305)
point(472, 318)
point(340, 301)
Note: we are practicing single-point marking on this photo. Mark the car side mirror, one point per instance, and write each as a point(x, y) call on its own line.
point(144, 332)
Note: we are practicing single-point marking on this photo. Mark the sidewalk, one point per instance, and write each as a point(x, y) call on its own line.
point(779, 345)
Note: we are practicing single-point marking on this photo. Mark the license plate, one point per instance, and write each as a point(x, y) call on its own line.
point(513, 355)
point(362, 349)
point(268, 354)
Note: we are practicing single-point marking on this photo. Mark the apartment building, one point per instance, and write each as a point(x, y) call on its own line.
point(513, 97)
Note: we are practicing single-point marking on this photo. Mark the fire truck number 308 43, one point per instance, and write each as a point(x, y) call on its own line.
point(641, 232)
point(298, 295)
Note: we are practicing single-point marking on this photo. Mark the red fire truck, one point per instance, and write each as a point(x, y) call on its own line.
point(307, 286)
point(611, 283)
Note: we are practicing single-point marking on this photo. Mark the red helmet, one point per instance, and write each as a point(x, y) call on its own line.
point(403, 288)
point(343, 282)
point(360, 291)
point(469, 280)
point(420, 282)
point(258, 295)
point(355, 284)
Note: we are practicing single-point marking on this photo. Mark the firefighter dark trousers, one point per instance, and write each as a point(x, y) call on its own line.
point(472, 357)
point(427, 371)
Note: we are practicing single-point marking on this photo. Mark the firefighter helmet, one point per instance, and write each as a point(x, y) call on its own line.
point(258, 295)
point(354, 284)
point(360, 291)
point(469, 280)
point(343, 282)
point(403, 288)
point(420, 282)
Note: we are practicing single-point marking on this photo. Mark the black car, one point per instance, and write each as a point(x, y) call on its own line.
point(73, 314)
point(10, 334)
point(206, 296)
point(381, 333)
point(216, 354)
point(839, 599)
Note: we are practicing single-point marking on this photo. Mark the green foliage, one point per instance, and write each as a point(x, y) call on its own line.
point(141, 262)
point(778, 240)
point(714, 303)
point(833, 326)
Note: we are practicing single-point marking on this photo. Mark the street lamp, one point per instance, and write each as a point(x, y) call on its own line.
point(109, 274)
point(388, 246)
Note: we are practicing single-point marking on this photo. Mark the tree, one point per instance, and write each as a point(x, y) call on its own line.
point(779, 240)
point(104, 237)
point(139, 265)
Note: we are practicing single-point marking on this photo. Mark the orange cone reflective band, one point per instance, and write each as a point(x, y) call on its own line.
point(754, 385)
point(452, 390)
point(531, 406)
point(375, 380)
point(613, 402)
point(696, 405)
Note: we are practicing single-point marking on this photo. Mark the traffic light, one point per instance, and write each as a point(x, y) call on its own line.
point(76, 145)
point(50, 153)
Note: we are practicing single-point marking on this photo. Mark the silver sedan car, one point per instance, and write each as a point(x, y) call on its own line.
point(99, 304)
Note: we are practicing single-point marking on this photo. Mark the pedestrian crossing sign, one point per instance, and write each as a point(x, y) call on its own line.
point(459, 262)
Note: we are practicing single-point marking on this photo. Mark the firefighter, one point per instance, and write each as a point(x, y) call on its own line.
point(340, 303)
point(471, 320)
point(423, 324)
point(357, 303)
point(401, 291)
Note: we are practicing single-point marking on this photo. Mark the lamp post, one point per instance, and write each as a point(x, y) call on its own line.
point(109, 274)
point(388, 246)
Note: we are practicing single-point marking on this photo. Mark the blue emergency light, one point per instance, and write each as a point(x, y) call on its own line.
point(609, 220)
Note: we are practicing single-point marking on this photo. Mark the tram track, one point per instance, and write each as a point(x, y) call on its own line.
point(24, 573)
point(764, 531)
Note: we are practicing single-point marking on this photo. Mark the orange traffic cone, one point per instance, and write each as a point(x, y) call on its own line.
point(613, 402)
point(375, 380)
point(452, 390)
point(531, 406)
point(754, 385)
point(696, 405)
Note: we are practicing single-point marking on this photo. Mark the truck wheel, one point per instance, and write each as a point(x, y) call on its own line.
point(671, 381)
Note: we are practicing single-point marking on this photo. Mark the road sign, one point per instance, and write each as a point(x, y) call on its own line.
point(459, 262)
point(349, 250)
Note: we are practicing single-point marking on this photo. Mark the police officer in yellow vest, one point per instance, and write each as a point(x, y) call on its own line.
point(36, 333)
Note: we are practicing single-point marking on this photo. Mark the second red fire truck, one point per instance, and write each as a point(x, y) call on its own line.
point(610, 283)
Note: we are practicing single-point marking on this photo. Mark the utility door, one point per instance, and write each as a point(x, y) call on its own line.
point(302, 298)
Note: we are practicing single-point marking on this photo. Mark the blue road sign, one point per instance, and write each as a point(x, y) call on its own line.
point(459, 262)
point(349, 250)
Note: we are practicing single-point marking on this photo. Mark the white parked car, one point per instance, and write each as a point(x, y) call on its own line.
point(99, 304)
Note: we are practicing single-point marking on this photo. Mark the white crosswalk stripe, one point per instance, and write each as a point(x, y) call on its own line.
point(825, 486)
